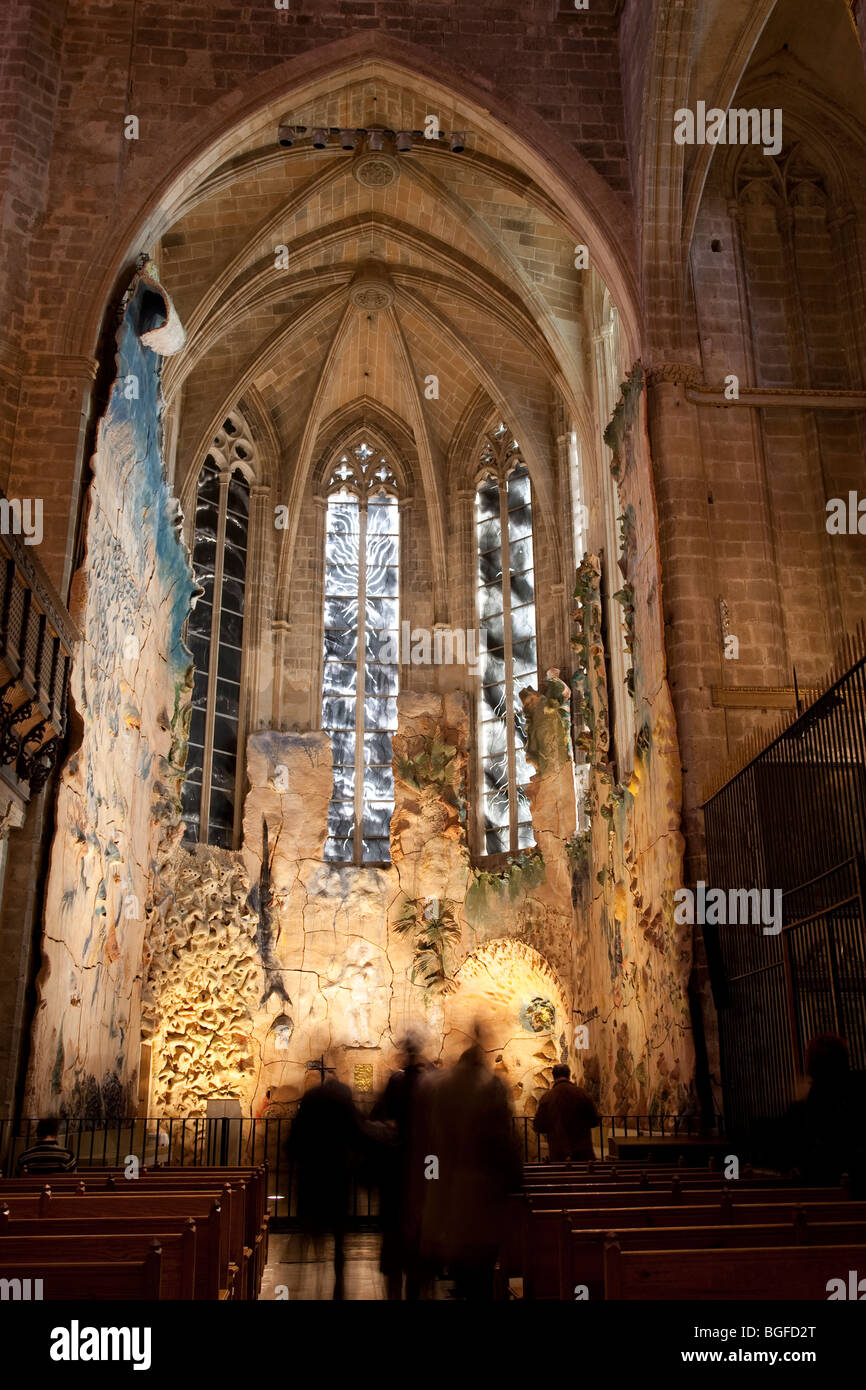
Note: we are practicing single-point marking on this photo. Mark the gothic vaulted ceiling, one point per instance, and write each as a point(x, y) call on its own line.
point(423, 290)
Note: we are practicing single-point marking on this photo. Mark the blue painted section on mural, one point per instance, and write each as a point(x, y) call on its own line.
point(146, 488)
point(130, 673)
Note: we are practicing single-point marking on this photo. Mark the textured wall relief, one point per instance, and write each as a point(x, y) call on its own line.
point(257, 973)
point(635, 961)
point(129, 690)
point(204, 984)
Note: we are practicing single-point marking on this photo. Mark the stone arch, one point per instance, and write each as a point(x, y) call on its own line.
point(390, 432)
point(350, 438)
point(534, 159)
point(588, 205)
point(524, 1011)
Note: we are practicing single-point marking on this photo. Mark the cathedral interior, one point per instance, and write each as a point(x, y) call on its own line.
point(433, 551)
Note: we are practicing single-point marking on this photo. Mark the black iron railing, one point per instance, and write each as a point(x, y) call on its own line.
point(793, 822)
point(37, 637)
point(198, 1143)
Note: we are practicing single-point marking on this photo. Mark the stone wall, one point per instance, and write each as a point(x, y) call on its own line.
point(203, 982)
point(118, 791)
point(337, 961)
point(634, 961)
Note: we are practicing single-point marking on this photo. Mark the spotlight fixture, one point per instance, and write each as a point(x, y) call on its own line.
point(458, 141)
point(404, 141)
point(348, 139)
point(286, 135)
point(375, 139)
point(320, 134)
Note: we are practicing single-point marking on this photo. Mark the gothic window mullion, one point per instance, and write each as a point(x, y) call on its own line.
point(361, 683)
point(506, 616)
point(360, 667)
point(213, 663)
point(215, 636)
point(508, 647)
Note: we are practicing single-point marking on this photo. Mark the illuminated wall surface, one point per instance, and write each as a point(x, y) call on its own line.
point(372, 918)
point(119, 789)
point(341, 958)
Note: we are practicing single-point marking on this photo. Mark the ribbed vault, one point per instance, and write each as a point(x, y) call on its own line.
point(430, 289)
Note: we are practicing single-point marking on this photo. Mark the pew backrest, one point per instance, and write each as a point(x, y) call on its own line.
point(756, 1273)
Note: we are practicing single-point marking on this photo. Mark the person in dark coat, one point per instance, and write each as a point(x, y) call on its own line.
point(46, 1156)
point(324, 1139)
point(471, 1162)
point(399, 1213)
point(825, 1133)
point(567, 1115)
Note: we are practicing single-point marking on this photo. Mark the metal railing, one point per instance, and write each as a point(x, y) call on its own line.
point(199, 1143)
point(792, 821)
point(37, 637)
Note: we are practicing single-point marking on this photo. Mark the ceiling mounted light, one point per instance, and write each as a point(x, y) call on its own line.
point(320, 135)
point(375, 139)
point(458, 141)
point(286, 135)
point(404, 141)
point(348, 139)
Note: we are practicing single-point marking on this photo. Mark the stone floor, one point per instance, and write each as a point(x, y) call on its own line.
point(298, 1269)
point(307, 1272)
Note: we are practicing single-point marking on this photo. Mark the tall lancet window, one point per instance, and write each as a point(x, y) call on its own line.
point(361, 653)
point(215, 637)
point(506, 615)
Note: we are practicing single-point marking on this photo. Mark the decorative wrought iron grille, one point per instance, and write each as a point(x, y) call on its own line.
point(793, 820)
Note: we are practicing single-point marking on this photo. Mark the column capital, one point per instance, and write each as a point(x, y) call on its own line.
point(841, 216)
point(674, 374)
point(58, 366)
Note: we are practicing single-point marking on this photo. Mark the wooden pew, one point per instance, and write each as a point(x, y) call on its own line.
point(535, 1253)
point(582, 1252)
point(177, 1265)
point(133, 1280)
point(756, 1273)
point(688, 1193)
point(149, 1205)
point(88, 1181)
point(161, 1228)
point(96, 1182)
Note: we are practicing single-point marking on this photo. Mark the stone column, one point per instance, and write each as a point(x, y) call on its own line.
point(53, 411)
point(281, 630)
point(23, 854)
point(858, 10)
point(688, 587)
point(778, 663)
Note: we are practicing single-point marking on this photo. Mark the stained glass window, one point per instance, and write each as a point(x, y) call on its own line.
point(506, 615)
point(361, 653)
point(215, 638)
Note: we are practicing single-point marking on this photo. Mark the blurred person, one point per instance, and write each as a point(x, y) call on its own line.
point(567, 1115)
point(46, 1155)
point(399, 1205)
point(823, 1133)
point(471, 1162)
point(324, 1138)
